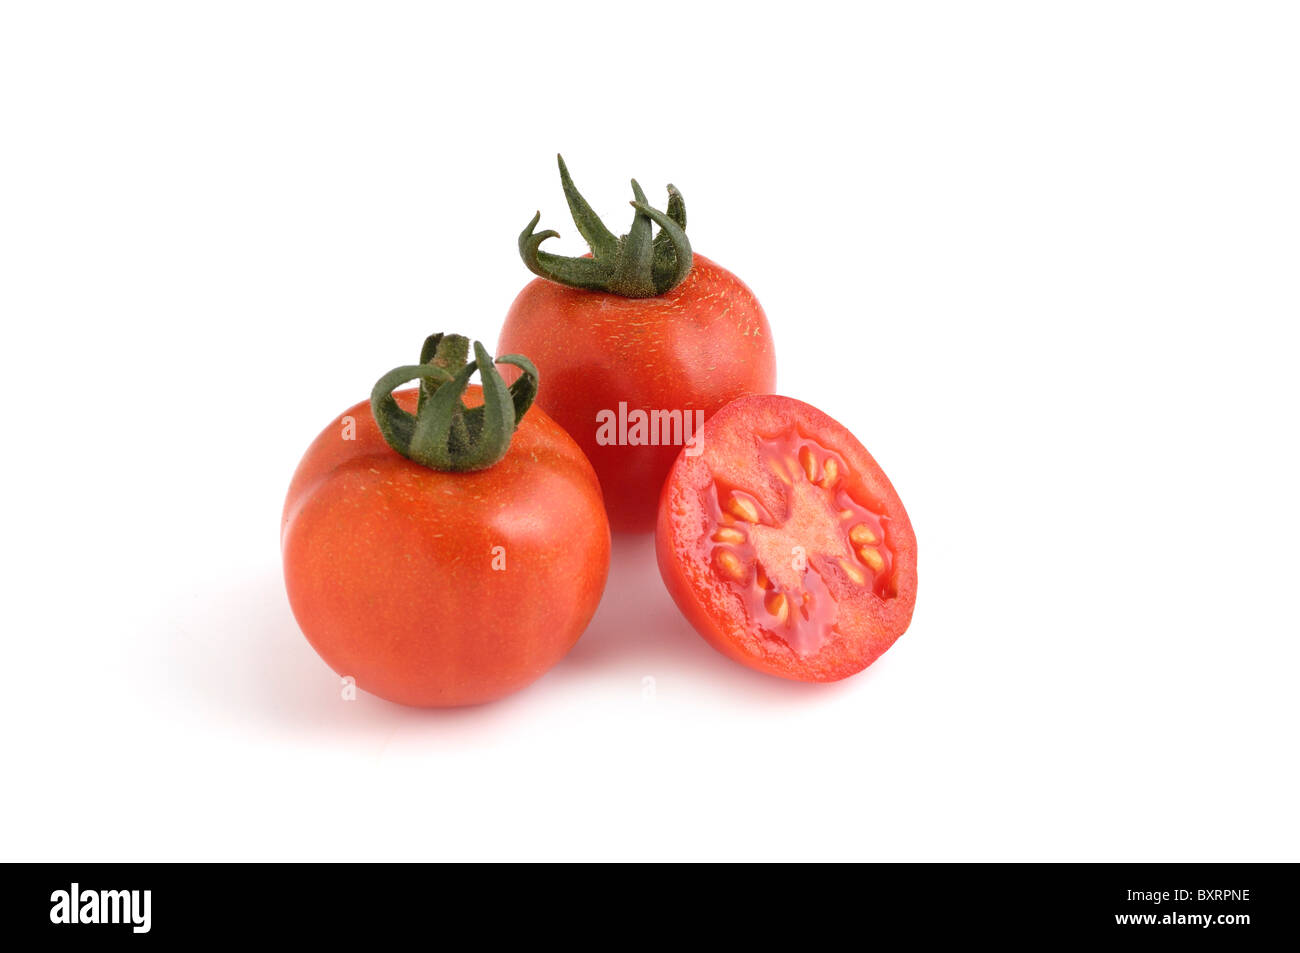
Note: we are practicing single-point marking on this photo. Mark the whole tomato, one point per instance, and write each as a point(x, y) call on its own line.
point(637, 344)
point(444, 552)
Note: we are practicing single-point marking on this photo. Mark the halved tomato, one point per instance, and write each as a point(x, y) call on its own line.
point(785, 544)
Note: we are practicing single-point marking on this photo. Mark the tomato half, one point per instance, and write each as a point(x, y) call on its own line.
point(696, 347)
point(439, 589)
point(785, 544)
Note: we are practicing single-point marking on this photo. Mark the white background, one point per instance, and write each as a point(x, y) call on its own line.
point(1041, 258)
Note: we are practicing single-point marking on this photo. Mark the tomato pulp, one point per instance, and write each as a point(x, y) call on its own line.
point(693, 348)
point(784, 543)
point(440, 589)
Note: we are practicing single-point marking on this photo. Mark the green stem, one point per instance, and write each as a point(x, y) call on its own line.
point(443, 433)
point(633, 266)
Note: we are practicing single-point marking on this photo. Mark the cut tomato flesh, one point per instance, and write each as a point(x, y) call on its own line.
point(779, 563)
point(784, 543)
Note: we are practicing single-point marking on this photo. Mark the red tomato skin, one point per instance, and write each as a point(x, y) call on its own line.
point(712, 608)
point(388, 564)
point(701, 345)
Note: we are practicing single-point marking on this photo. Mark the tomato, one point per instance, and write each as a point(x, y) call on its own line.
point(438, 588)
point(653, 360)
point(784, 543)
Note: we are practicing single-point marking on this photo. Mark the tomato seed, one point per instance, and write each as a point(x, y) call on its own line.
point(808, 462)
point(776, 604)
point(871, 556)
point(778, 467)
point(743, 508)
point(861, 535)
point(729, 564)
